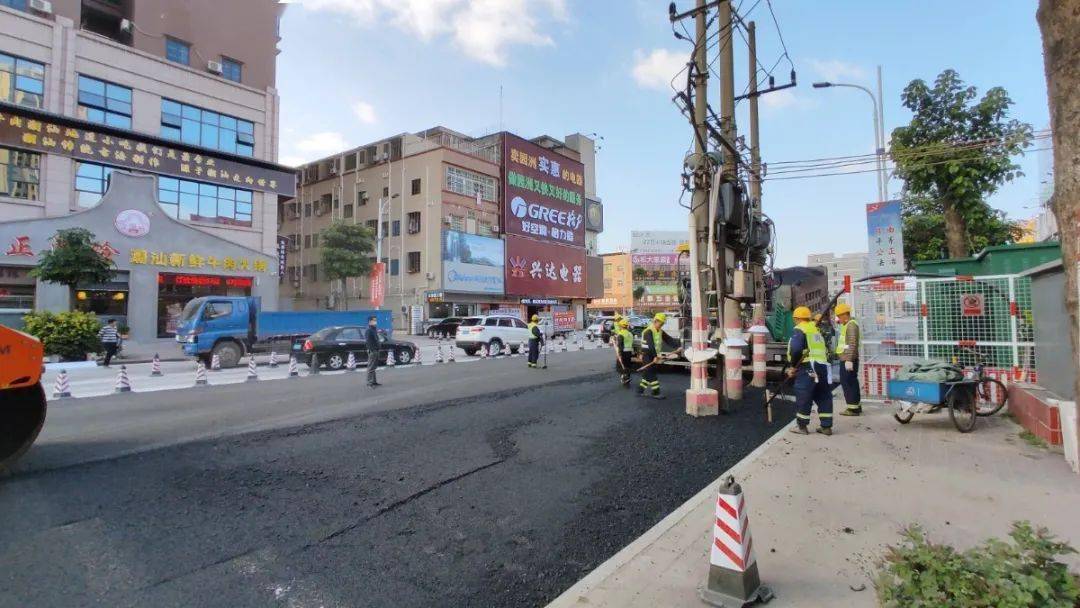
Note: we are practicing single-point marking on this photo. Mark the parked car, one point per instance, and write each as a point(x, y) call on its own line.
point(333, 345)
point(498, 332)
point(445, 327)
point(596, 328)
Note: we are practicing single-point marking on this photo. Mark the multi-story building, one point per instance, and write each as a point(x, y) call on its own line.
point(618, 285)
point(839, 266)
point(437, 200)
point(180, 91)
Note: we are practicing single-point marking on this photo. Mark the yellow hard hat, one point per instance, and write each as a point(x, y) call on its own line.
point(535, 318)
point(661, 317)
point(843, 308)
point(802, 312)
point(624, 322)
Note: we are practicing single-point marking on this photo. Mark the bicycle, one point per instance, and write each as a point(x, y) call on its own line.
point(991, 394)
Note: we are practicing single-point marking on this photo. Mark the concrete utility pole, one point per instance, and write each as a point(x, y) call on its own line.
point(729, 309)
point(700, 399)
point(758, 354)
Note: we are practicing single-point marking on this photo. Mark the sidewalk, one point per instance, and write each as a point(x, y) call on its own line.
point(822, 509)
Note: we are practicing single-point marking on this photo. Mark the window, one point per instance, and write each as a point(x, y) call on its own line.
point(231, 69)
point(468, 183)
point(307, 241)
point(313, 273)
point(201, 202)
point(414, 222)
point(315, 241)
point(395, 228)
point(196, 126)
point(491, 322)
point(520, 324)
point(91, 181)
point(394, 267)
point(350, 333)
point(177, 51)
point(386, 191)
point(416, 186)
point(19, 5)
point(385, 228)
point(307, 210)
point(372, 225)
point(457, 223)
point(22, 82)
point(20, 174)
point(104, 102)
point(484, 229)
point(361, 198)
point(350, 161)
point(414, 261)
point(347, 211)
point(506, 323)
point(216, 310)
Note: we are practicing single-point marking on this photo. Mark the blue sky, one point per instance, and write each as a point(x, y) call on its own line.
point(352, 71)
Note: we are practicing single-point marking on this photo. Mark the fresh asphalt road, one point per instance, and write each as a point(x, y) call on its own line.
point(484, 484)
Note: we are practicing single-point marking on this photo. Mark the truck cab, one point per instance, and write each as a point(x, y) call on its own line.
point(221, 325)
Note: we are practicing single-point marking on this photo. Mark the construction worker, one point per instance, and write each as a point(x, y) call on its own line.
point(653, 340)
point(847, 348)
point(536, 338)
point(809, 358)
point(623, 342)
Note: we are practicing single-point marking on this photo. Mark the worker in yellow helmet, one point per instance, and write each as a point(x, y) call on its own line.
point(623, 343)
point(808, 356)
point(847, 348)
point(536, 340)
point(653, 340)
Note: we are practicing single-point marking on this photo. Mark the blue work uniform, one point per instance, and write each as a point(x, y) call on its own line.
point(807, 351)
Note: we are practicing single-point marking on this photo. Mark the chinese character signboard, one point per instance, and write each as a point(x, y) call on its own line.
point(543, 193)
point(378, 283)
point(472, 263)
point(544, 269)
point(656, 241)
point(658, 276)
point(42, 132)
point(282, 256)
point(886, 238)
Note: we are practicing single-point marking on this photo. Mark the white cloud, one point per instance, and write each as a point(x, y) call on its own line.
point(836, 70)
point(316, 145)
point(785, 99)
point(291, 161)
point(365, 112)
point(656, 69)
point(483, 29)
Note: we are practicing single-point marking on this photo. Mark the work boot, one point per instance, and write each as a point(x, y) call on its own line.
point(852, 411)
point(824, 430)
point(658, 396)
point(800, 430)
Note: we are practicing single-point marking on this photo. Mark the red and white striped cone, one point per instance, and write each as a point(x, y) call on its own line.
point(123, 383)
point(62, 388)
point(200, 374)
point(391, 361)
point(484, 352)
point(253, 373)
point(155, 366)
point(294, 371)
point(350, 362)
point(438, 352)
point(215, 363)
point(273, 359)
point(733, 575)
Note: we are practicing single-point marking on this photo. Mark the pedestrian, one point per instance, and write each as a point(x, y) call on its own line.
point(623, 343)
point(371, 338)
point(847, 348)
point(809, 359)
point(653, 340)
point(110, 340)
point(536, 339)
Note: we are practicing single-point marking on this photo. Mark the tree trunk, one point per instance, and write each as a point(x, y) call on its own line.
point(955, 231)
point(1059, 21)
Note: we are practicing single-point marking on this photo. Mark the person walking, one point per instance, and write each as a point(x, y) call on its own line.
point(847, 348)
point(623, 343)
point(536, 339)
point(371, 338)
point(110, 340)
point(809, 358)
point(653, 340)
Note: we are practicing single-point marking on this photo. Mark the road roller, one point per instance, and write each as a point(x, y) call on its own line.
point(22, 398)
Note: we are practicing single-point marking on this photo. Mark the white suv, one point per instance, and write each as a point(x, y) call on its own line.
point(497, 332)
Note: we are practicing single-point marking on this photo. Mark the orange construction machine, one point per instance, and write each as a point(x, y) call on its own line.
point(22, 399)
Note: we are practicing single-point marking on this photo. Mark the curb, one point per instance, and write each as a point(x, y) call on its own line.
point(574, 596)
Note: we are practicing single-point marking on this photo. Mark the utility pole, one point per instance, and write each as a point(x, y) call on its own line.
point(700, 399)
point(758, 354)
point(728, 308)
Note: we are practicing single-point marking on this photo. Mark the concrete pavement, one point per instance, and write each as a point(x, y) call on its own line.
point(823, 508)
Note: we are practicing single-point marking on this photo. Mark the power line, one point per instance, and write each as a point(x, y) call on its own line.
point(929, 164)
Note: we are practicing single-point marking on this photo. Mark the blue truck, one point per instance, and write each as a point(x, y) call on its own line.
point(232, 326)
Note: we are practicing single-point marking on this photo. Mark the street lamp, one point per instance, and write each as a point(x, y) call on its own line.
point(384, 202)
point(879, 134)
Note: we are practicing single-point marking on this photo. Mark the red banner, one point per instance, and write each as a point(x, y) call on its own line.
point(378, 284)
point(541, 269)
point(543, 193)
point(564, 321)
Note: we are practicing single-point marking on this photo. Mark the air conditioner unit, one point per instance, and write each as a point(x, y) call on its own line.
point(430, 276)
point(318, 210)
point(333, 168)
point(41, 6)
point(495, 228)
point(126, 25)
point(470, 226)
point(447, 221)
point(214, 66)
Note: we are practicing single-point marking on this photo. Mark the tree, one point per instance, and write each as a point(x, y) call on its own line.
point(924, 229)
point(638, 292)
point(74, 259)
point(347, 253)
point(1059, 21)
point(957, 150)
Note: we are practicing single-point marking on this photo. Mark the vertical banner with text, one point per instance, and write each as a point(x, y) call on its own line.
point(378, 284)
point(886, 237)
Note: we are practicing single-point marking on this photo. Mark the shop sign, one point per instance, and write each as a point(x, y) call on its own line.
point(204, 280)
point(44, 132)
point(20, 246)
point(564, 321)
point(543, 193)
point(435, 297)
point(656, 241)
point(143, 257)
point(132, 222)
point(378, 283)
point(507, 311)
point(655, 259)
point(972, 305)
point(534, 267)
point(282, 256)
point(539, 302)
point(472, 263)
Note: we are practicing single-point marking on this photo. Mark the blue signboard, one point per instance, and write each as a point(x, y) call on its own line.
point(472, 263)
point(886, 238)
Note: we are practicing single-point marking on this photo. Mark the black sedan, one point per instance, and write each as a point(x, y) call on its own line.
point(332, 345)
point(446, 327)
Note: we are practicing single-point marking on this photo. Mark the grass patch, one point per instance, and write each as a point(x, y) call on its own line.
point(1032, 439)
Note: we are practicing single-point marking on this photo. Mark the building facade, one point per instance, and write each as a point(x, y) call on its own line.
point(618, 285)
point(438, 199)
point(837, 267)
point(180, 91)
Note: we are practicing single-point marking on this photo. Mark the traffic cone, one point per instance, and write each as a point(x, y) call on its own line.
point(733, 575)
point(155, 366)
point(390, 361)
point(419, 360)
point(294, 372)
point(562, 343)
point(215, 363)
point(350, 362)
point(123, 383)
point(484, 352)
point(451, 358)
point(438, 353)
point(273, 359)
point(62, 388)
point(580, 346)
point(200, 374)
point(253, 374)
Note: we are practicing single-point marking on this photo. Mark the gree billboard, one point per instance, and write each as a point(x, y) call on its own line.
point(543, 193)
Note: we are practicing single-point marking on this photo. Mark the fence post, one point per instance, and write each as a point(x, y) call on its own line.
point(1014, 335)
point(924, 321)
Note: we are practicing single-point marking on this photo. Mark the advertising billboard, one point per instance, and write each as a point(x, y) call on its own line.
point(655, 279)
point(472, 263)
point(656, 241)
point(378, 283)
point(536, 268)
point(886, 237)
point(543, 193)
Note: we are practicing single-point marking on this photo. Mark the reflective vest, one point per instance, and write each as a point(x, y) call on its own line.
point(657, 339)
point(841, 344)
point(532, 326)
point(627, 339)
point(816, 351)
